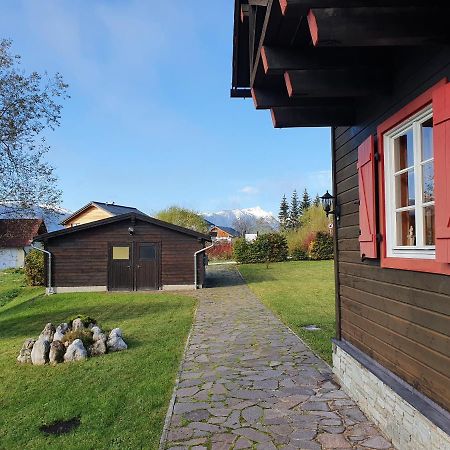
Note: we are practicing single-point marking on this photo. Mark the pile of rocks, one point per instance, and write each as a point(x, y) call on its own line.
point(52, 347)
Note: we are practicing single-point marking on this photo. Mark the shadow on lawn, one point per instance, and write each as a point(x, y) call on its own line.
point(218, 276)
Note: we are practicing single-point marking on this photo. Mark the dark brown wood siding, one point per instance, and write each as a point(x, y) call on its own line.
point(81, 258)
point(398, 317)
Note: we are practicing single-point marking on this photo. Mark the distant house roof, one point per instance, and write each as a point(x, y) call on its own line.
point(112, 208)
point(20, 232)
point(231, 231)
point(118, 218)
point(208, 223)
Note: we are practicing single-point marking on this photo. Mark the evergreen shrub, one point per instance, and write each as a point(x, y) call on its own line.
point(322, 246)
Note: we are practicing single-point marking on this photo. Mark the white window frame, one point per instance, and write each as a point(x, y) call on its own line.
point(420, 250)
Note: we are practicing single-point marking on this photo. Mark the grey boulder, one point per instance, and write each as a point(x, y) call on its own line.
point(77, 324)
point(97, 333)
point(75, 351)
point(61, 330)
point(57, 350)
point(40, 351)
point(99, 346)
point(25, 351)
point(115, 343)
point(48, 332)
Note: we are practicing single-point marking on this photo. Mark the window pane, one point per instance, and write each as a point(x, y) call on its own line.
point(427, 140)
point(406, 228)
point(147, 252)
point(121, 252)
point(405, 190)
point(428, 222)
point(404, 151)
point(428, 182)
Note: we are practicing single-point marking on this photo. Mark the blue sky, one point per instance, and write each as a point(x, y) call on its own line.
point(150, 122)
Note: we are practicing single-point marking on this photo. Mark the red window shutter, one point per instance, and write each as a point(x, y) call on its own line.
point(367, 212)
point(441, 137)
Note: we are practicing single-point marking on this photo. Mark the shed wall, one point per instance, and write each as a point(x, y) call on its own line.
point(81, 258)
point(400, 318)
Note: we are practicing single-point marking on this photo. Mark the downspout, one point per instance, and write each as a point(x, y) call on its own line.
point(49, 268)
point(195, 263)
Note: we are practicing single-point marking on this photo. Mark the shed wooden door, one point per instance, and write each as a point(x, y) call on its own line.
point(147, 266)
point(120, 273)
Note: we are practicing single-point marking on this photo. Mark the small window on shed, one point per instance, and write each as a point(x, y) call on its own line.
point(147, 252)
point(121, 252)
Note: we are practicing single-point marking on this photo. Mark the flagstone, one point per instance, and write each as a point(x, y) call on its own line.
point(248, 382)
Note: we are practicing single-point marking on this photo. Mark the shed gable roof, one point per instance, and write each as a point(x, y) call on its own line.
point(122, 217)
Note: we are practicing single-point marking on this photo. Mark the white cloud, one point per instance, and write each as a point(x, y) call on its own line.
point(249, 190)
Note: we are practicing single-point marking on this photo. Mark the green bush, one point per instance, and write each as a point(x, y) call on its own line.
point(299, 254)
point(84, 334)
point(34, 268)
point(84, 318)
point(270, 247)
point(322, 246)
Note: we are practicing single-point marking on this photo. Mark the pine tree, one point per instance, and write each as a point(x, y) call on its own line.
point(306, 201)
point(294, 215)
point(317, 200)
point(283, 215)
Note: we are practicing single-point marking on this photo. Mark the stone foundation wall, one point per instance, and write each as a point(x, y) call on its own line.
point(407, 427)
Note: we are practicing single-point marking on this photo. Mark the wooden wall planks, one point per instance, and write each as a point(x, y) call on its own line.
point(399, 318)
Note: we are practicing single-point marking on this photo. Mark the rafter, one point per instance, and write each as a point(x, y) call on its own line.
point(277, 60)
point(321, 116)
point(378, 26)
point(349, 82)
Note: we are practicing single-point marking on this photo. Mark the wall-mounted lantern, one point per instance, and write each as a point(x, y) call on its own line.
point(131, 230)
point(329, 204)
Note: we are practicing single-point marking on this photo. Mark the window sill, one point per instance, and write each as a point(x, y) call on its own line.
point(412, 253)
point(415, 264)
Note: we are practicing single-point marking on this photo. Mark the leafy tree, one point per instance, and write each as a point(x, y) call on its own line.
point(294, 214)
point(283, 215)
point(317, 200)
point(29, 105)
point(183, 217)
point(306, 201)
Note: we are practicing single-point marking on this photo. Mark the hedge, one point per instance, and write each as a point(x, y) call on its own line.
point(270, 247)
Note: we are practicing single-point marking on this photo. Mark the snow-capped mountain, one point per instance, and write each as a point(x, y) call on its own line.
point(257, 218)
point(52, 216)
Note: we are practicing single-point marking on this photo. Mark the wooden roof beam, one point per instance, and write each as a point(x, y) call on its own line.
point(277, 60)
point(266, 98)
point(347, 82)
point(310, 116)
point(378, 26)
point(301, 7)
point(244, 12)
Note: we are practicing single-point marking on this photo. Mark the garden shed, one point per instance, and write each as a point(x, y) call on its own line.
point(128, 252)
point(378, 74)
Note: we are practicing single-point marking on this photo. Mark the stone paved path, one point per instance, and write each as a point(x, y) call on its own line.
point(248, 382)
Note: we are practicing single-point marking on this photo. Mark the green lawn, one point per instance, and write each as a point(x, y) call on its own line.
point(121, 398)
point(301, 293)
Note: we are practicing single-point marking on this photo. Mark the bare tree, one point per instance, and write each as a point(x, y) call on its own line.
point(29, 104)
point(242, 224)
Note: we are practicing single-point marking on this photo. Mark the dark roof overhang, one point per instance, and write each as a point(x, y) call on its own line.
point(311, 62)
point(122, 217)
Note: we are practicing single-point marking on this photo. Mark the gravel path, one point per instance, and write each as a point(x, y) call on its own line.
point(248, 382)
